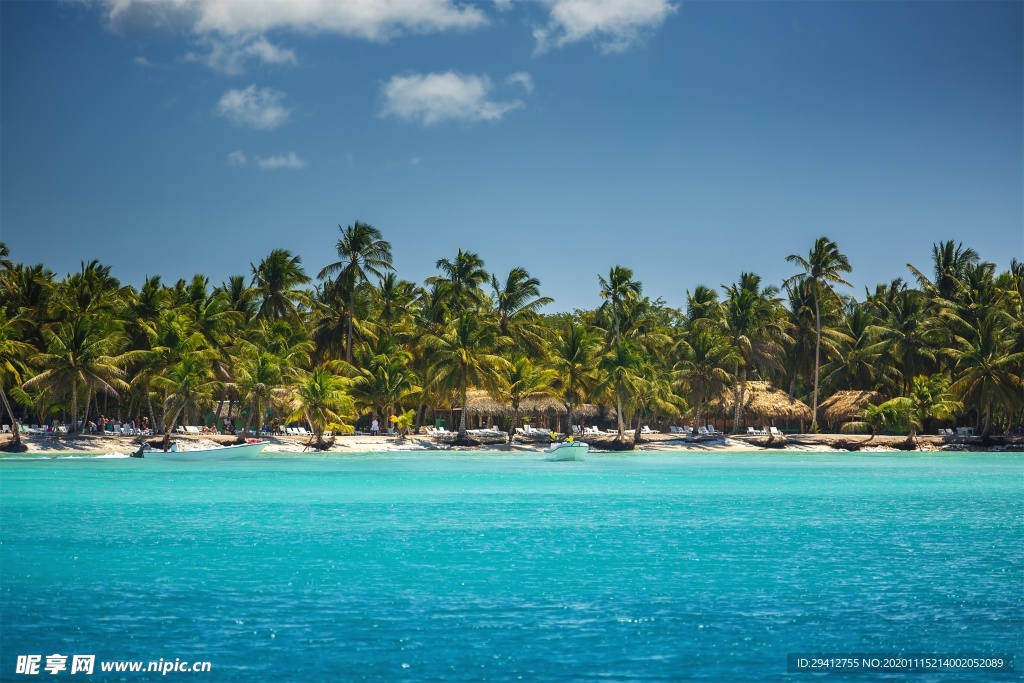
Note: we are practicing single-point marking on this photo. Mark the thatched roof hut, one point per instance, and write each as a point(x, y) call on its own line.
point(479, 402)
point(765, 402)
point(846, 405)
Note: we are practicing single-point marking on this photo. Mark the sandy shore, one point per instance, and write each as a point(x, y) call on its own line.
point(655, 442)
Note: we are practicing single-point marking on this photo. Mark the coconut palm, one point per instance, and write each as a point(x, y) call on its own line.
point(461, 282)
point(986, 371)
point(523, 380)
point(394, 300)
point(620, 293)
point(573, 353)
point(823, 269)
point(83, 352)
point(321, 400)
point(258, 378)
point(621, 374)
point(908, 335)
point(189, 386)
point(516, 302)
point(465, 355)
point(383, 378)
point(363, 252)
point(757, 326)
point(14, 354)
point(704, 358)
point(949, 263)
point(276, 282)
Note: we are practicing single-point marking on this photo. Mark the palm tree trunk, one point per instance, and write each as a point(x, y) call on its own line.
point(88, 398)
point(351, 315)
point(462, 413)
point(741, 394)
point(618, 411)
point(14, 423)
point(817, 358)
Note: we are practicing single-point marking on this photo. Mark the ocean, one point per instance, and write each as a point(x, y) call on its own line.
point(486, 567)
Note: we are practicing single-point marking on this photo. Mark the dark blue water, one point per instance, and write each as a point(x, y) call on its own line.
point(505, 568)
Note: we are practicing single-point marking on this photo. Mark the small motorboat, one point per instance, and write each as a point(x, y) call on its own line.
point(567, 450)
point(243, 450)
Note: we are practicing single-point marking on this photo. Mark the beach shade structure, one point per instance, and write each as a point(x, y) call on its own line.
point(764, 404)
point(844, 406)
point(480, 403)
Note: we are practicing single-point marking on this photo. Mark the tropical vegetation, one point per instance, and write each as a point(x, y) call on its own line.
point(944, 347)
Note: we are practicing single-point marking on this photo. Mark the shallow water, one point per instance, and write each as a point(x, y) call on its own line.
point(467, 567)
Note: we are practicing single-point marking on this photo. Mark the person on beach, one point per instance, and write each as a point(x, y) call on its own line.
point(375, 427)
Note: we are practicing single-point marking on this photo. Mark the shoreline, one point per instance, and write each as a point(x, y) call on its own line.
point(660, 443)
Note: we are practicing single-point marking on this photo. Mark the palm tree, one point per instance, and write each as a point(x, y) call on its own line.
point(823, 268)
point(704, 358)
point(949, 263)
point(523, 380)
point(466, 355)
point(190, 386)
point(757, 327)
point(13, 356)
point(574, 359)
point(908, 335)
point(516, 302)
point(383, 378)
point(321, 401)
point(620, 292)
point(621, 374)
point(258, 376)
point(82, 352)
point(394, 300)
point(363, 252)
point(461, 285)
point(276, 281)
point(985, 371)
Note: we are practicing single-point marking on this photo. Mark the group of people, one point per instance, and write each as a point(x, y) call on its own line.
point(101, 424)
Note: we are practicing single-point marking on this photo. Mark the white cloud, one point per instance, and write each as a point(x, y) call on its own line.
point(290, 160)
point(449, 96)
point(370, 19)
point(237, 158)
point(260, 108)
point(523, 79)
point(143, 62)
point(230, 55)
point(614, 24)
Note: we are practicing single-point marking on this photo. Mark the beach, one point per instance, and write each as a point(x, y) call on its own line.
point(659, 443)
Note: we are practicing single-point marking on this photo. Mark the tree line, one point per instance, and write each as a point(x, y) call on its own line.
point(945, 343)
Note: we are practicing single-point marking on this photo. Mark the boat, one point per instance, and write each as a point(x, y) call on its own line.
point(243, 450)
point(567, 450)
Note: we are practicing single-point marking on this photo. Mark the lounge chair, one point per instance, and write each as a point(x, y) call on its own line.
point(194, 431)
point(575, 430)
point(6, 429)
point(774, 431)
point(179, 430)
point(301, 431)
point(429, 431)
point(647, 430)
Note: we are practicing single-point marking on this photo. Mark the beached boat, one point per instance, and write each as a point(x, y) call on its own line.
point(244, 450)
point(567, 450)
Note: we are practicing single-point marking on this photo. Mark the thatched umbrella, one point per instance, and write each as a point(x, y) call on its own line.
point(479, 402)
point(765, 402)
point(845, 405)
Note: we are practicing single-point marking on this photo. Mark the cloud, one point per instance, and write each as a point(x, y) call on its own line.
point(614, 24)
point(290, 160)
point(259, 108)
point(436, 97)
point(230, 55)
point(523, 79)
point(237, 158)
point(369, 19)
point(143, 62)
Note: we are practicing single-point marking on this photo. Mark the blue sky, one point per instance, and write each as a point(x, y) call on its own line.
point(689, 141)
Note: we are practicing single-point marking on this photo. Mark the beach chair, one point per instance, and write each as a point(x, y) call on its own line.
point(575, 430)
point(647, 430)
point(194, 431)
point(6, 429)
point(180, 430)
point(301, 431)
point(774, 431)
point(429, 430)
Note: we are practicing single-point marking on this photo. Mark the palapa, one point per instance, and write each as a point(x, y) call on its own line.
point(763, 401)
point(846, 405)
point(479, 402)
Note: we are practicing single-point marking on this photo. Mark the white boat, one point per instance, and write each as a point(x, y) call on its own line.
point(243, 450)
point(567, 450)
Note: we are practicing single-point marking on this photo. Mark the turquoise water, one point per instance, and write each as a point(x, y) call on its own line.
point(438, 567)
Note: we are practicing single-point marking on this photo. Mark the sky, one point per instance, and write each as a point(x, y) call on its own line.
point(688, 141)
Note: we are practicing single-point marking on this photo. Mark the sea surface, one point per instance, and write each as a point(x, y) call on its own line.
point(485, 567)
